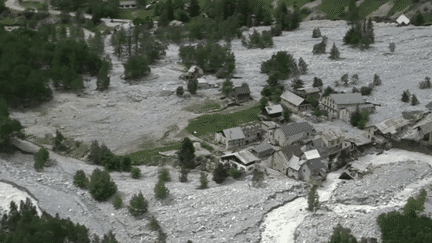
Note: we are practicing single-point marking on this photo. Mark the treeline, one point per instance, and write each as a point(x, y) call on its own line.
point(97, 8)
point(25, 225)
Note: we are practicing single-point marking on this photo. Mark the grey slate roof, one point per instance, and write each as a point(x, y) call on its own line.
point(262, 147)
point(274, 109)
point(127, 2)
point(233, 133)
point(295, 128)
point(291, 150)
point(242, 90)
point(292, 98)
point(315, 164)
point(347, 99)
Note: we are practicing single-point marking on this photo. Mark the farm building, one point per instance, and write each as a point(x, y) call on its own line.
point(262, 150)
point(242, 93)
point(313, 93)
point(334, 103)
point(232, 138)
point(273, 111)
point(252, 133)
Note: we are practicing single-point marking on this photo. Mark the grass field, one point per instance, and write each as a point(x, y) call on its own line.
point(135, 13)
point(143, 156)
point(368, 6)
point(203, 107)
point(399, 6)
point(333, 8)
point(216, 122)
point(7, 21)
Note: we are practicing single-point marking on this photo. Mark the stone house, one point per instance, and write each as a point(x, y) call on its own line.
point(273, 111)
point(290, 133)
point(314, 93)
point(127, 4)
point(345, 113)
point(241, 94)
point(293, 102)
point(334, 103)
point(232, 137)
point(331, 141)
point(262, 150)
point(242, 160)
point(312, 168)
point(391, 128)
point(269, 128)
point(425, 132)
point(252, 133)
point(281, 160)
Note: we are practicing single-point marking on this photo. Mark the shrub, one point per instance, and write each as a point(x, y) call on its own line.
point(138, 205)
point(328, 91)
point(164, 175)
point(257, 40)
point(344, 79)
point(414, 100)
point(160, 190)
point(154, 224)
point(136, 173)
point(302, 66)
point(282, 64)
point(318, 112)
point(118, 203)
point(257, 179)
point(80, 179)
point(136, 67)
point(364, 90)
point(235, 173)
point(418, 19)
point(180, 91)
point(320, 48)
point(192, 86)
point(317, 82)
point(101, 186)
point(334, 53)
point(183, 174)
point(405, 97)
point(425, 84)
point(276, 30)
point(41, 158)
point(377, 80)
point(392, 47)
point(341, 234)
point(355, 90)
point(354, 79)
point(316, 33)
point(220, 174)
point(203, 180)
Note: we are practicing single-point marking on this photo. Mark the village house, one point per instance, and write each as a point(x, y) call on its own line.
point(294, 102)
point(252, 133)
point(425, 132)
point(334, 103)
point(242, 93)
point(269, 127)
point(262, 150)
point(232, 137)
point(389, 129)
point(346, 113)
point(290, 133)
point(273, 111)
point(331, 141)
point(127, 4)
point(402, 20)
point(313, 93)
point(293, 162)
point(242, 160)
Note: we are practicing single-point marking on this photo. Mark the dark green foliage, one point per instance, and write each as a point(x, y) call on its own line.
point(136, 67)
point(353, 11)
point(257, 179)
point(317, 82)
point(302, 66)
point(227, 87)
point(377, 80)
point(355, 90)
point(179, 91)
point(318, 112)
point(361, 35)
point(342, 235)
point(345, 79)
point(235, 173)
point(164, 175)
point(425, 84)
point(194, 8)
point(152, 49)
point(103, 79)
point(286, 115)
point(328, 91)
point(276, 30)
point(138, 205)
point(257, 40)
point(289, 21)
point(297, 84)
point(96, 44)
point(405, 97)
point(220, 173)
point(57, 141)
point(263, 103)
point(392, 47)
point(354, 79)
point(186, 154)
point(193, 86)
point(414, 100)
point(334, 52)
point(136, 173)
point(364, 90)
point(24, 225)
point(320, 48)
point(81, 180)
point(316, 33)
point(101, 186)
point(418, 19)
point(95, 155)
point(154, 225)
point(118, 203)
point(281, 64)
point(203, 180)
point(41, 158)
point(359, 119)
point(313, 202)
point(407, 226)
point(160, 190)
point(65, 18)
point(183, 174)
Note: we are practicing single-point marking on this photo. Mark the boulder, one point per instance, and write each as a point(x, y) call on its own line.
point(148, 7)
point(176, 23)
point(25, 146)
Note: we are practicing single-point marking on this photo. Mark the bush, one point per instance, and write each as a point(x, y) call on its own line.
point(154, 224)
point(160, 190)
point(316, 33)
point(164, 175)
point(192, 86)
point(282, 65)
point(257, 40)
point(364, 90)
point(405, 97)
point(136, 67)
point(101, 186)
point(414, 100)
point(235, 173)
point(320, 48)
point(392, 47)
point(302, 66)
point(377, 80)
point(257, 179)
point(136, 173)
point(203, 180)
point(276, 30)
point(41, 158)
point(354, 79)
point(328, 91)
point(118, 203)
point(342, 235)
point(317, 82)
point(138, 205)
point(418, 19)
point(220, 174)
point(425, 84)
point(81, 180)
point(355, 90)
point(183, 174)
point(180, 91)
point(334, 53)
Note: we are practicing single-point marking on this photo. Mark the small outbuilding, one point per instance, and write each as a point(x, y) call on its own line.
point(274, 111)
point(263, 150)
point(127, 4)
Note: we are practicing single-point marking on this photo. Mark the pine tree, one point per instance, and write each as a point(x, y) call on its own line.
point(377, 80)
point(138, 205)
point(103, 79)
point(392, 47)
point(297, 84)
point(345, 79)
point(370, 30)
point(316, 33)
point(405, 97)
point(317, 82)
point(354, 79)
point(203, 180)
point(334, 53)
point(355, 117)
point(414, 100)
point(302, 66)
point(194, 8)
point(186, 154)
point(220, 173)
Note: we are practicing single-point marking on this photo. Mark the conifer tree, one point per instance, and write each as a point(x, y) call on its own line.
point(334, 53)
point(186, 154)
point(345, 79)
point(370, 30)
point(317, 82)
point(302, 66)
point(377, 80)
point(405, 97)
point(392, 47)
point(414, 100)
point(354, 79)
